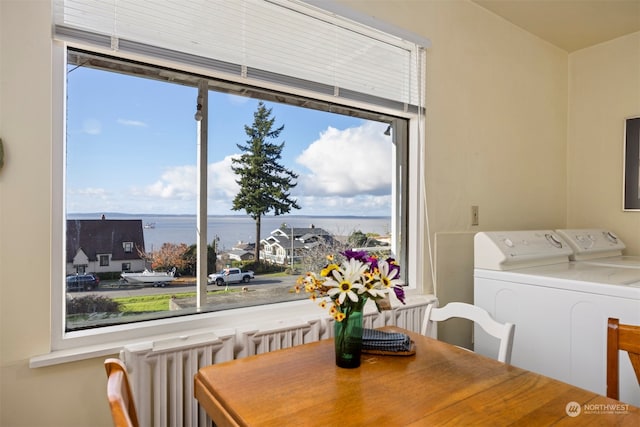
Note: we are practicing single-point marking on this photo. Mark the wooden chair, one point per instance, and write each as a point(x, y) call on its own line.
point(123, 409)
point(502, 331)
point(621, 337)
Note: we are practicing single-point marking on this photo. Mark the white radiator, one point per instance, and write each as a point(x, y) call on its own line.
point(162, 371)
point(161, 374)
point(275, 336)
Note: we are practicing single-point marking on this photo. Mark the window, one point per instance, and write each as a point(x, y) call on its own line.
point(345, 163)
point(133, 111)
point(104, 260)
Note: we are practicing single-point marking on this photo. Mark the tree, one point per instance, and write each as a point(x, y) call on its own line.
point(358, 239)
point(191, 260)
point(264, 182)
point(314, 258)
point(168, 256)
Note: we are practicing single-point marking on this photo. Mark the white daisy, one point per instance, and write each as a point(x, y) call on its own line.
point(346, 280)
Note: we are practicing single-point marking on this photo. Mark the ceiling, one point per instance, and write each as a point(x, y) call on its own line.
point(570, 24)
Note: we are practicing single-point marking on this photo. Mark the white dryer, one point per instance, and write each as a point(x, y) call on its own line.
point(560, 307)
point(598, 247)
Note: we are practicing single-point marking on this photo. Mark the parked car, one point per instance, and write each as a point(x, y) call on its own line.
point(230, 275)
point(82, 282)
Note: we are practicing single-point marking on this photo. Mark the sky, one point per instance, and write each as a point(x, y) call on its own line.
point(131, 148)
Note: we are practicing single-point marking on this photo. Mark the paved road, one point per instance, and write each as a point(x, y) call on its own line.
point(112, 289)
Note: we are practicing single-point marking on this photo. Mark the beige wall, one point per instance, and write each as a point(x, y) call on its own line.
point(496, 121)
point(64, 395)
point(496, 137)
point(604, 89)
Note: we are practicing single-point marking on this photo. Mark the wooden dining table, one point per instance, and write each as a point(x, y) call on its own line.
point(440, 384)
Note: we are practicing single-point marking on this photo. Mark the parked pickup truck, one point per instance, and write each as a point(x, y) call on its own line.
point(230, 275)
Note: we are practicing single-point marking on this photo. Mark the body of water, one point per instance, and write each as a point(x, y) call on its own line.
point(232, 229)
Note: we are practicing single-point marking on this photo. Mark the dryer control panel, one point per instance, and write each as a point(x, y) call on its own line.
point(592, 243)
point(508, 250)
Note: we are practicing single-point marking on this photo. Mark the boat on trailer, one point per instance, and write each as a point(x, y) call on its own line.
point(149, 277)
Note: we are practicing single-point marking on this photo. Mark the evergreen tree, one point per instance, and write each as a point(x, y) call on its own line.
point(190, 258)
point(264, 182)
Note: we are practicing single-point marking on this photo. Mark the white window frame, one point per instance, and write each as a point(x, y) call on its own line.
point(77, 345)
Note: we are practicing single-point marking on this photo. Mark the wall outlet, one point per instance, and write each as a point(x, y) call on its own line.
point(474, 216)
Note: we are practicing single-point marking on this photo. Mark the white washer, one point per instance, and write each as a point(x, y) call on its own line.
point(560, 308)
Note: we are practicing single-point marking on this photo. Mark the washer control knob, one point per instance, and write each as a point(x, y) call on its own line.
point(553, 240)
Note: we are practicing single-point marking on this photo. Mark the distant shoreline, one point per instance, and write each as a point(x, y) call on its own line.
point(231, 230)
point(107, 215)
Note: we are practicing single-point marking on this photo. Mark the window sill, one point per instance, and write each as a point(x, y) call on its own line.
point(217, 324)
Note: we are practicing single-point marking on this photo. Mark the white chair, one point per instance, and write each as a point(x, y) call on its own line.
point(502, 331)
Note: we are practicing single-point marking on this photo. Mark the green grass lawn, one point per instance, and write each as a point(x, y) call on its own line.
point(152, 303)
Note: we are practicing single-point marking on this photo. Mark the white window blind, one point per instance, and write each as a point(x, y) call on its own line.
point(284, 41)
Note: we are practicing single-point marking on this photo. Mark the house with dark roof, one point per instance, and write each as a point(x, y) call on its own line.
point(286, 244)
point(104, 245)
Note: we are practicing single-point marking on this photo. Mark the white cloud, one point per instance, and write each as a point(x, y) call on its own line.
point(89, 199)
point(127, 122)
point(348, 162)
point(222, 181)
point(341, 181)
point(177, 183)
point(222, 187)
point(90, 192)
point(91, 126)
point(237, 100)
point(361, 205)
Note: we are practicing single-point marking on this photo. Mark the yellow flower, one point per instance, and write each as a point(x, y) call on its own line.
point(350, 282)
point(328, 269)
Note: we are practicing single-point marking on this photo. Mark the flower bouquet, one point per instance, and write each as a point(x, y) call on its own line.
point(348, 285)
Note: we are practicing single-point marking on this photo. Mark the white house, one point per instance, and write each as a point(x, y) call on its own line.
point(285, 244)
point(240, 255)
point(104, 245)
